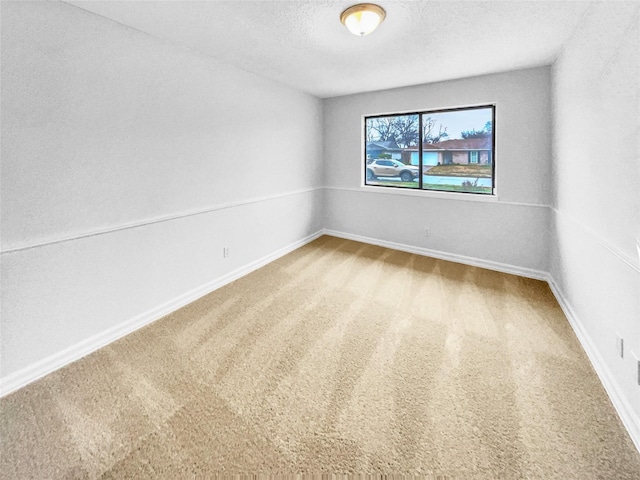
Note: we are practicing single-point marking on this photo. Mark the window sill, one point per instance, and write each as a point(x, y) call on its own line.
point(469, 197)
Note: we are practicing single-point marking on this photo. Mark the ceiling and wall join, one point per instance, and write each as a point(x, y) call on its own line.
point(303, 44)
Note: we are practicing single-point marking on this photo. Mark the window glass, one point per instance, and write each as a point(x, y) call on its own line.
point(387, 138)
point(446, 150)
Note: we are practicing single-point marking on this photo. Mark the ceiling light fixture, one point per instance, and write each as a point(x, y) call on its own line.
point(362, 19)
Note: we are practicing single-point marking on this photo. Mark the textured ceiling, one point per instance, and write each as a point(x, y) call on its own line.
point(304, 45)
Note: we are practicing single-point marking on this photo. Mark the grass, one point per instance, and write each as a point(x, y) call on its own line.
point(457, 188)
point(393, 183)
point(429, 186)
point(455, 170)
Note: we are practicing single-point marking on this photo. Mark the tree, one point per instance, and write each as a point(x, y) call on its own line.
point(380, 129)
point(485, 132)
point(405, 130)
point(402, 129)
point(428, 131)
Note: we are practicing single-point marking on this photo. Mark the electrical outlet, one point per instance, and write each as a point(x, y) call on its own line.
point(427, 232)
point(620, 345)
point(225, 252)
point(636, 361)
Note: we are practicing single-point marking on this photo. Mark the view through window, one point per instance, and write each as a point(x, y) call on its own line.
point(446, 150)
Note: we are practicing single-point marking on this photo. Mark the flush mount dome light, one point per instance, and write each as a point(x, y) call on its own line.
point(362, 19)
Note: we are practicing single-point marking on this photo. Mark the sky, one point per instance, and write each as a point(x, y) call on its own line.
point(460, 120)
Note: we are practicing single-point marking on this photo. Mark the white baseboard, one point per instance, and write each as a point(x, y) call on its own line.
point(33, 372)
point(625, 411)
point(54, 362)
point(452, 257)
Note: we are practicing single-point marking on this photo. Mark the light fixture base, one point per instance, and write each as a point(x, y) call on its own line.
point(363, 18)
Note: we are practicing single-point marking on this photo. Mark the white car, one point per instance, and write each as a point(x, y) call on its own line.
point(382, 167)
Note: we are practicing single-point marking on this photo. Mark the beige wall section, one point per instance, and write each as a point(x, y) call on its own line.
point(104, 127)
point(596, 163)
point(460, 157)
point(511, 231)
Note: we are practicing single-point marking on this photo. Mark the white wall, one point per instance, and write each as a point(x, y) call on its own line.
point(596, 214)
point(511, 233)
point(127, 165)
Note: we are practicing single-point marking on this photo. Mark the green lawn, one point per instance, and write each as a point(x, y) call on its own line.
point(430, 186)
point(454, 170)
point(393, 183)
point(457, 188)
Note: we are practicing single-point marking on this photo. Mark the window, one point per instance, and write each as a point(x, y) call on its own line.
point(446, 150)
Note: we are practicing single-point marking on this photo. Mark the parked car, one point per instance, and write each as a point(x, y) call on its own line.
point(382, 167)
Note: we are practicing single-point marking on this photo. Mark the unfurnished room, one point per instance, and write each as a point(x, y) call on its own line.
point(320, 239)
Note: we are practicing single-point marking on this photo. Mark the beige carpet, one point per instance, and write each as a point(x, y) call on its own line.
point(339, 358)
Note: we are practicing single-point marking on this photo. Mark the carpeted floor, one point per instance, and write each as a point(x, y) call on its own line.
point(339, 358)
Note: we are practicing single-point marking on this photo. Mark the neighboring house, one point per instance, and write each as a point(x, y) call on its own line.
point(431, 155)
point(375, 149)
point(461, 151)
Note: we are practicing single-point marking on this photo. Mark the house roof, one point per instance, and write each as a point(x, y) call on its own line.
point(430, 146)
point(386, 145)
point(481, 143)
